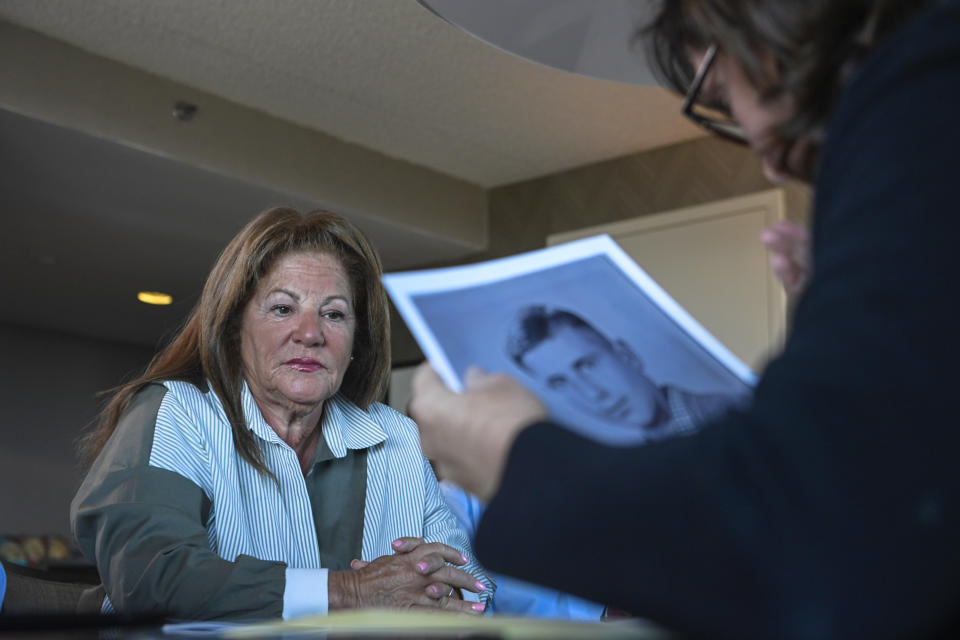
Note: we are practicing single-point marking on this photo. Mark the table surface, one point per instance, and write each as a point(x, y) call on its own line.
point(358, 625)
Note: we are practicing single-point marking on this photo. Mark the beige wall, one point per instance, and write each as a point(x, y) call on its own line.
point(690, 173)
point(522, 215)
point(61, 84)
point(44, 410)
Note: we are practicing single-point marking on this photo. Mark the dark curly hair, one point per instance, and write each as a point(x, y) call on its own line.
point(536, 323)
point(815, 44)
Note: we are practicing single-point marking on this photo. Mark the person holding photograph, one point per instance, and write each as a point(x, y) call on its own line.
point(829, 506)
point(575, 362)
point(251, 472)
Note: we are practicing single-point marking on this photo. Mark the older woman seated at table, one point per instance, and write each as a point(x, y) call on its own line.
point(250, 471)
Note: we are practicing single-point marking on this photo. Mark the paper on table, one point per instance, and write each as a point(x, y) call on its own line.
point(200, 628)
point(394, 622)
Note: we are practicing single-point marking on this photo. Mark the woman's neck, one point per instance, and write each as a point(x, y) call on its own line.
point(301, 431)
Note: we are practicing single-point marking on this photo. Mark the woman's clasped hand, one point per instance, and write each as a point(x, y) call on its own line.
point(418, 575)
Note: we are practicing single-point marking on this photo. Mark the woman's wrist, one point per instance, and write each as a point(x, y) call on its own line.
point(343, 589)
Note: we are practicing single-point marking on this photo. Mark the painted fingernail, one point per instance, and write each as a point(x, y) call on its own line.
point(480, 586)
point(422, 566)
point(464, 558)
point(476, 606)
point(397, 544)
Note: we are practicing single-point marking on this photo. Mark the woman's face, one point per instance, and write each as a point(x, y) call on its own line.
point(728, 86)
point(297, 334)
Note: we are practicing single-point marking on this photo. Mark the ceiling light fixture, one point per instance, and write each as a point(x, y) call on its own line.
point(154, 297)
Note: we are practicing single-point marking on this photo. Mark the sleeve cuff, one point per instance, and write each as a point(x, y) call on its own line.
point(470, 596)
point(305, 593)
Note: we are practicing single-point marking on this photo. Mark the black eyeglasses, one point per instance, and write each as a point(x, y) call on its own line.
point(711, 118)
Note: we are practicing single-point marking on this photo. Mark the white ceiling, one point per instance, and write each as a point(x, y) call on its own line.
point(388, 75)
point(384, 74)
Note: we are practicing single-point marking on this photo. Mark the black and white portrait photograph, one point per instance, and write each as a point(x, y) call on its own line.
point(586, 330)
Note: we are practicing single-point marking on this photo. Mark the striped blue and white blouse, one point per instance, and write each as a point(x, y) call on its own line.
point(179, 471)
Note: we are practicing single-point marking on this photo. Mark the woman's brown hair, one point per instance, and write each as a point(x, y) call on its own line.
point(815, 45)
point(206, 351)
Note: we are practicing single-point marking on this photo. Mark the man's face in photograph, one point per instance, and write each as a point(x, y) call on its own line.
point(601, 378)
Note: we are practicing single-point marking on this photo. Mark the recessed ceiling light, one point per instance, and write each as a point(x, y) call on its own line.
point(154, 297)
